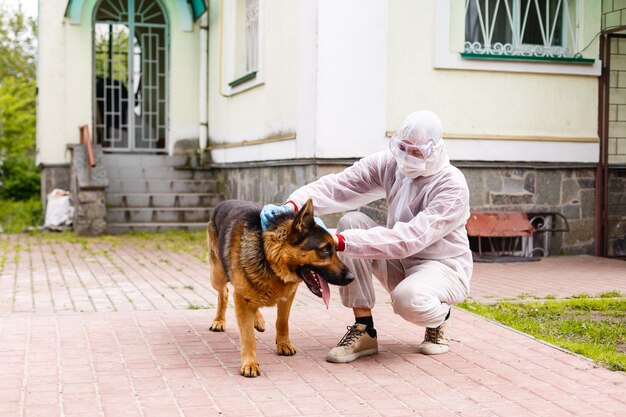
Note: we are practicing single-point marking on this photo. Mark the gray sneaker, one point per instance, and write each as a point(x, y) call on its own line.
point(354, 344)
point(437, 340)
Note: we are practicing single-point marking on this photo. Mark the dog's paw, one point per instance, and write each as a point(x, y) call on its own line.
point(285, 349)
point(218, 326)
point(250, 370)
point(259, 322)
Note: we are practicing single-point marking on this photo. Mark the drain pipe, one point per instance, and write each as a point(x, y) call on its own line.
point(603, 82)
point(203, 84)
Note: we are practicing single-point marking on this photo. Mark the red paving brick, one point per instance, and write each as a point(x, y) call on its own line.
point(109, 330)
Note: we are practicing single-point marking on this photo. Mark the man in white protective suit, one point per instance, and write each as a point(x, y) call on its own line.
point(422, 257)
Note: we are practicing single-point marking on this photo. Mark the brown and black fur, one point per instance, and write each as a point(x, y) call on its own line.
point(265, 269)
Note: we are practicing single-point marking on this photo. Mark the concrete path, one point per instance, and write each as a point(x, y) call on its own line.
point(103, 329)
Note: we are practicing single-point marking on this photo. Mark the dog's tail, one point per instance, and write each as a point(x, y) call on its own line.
point(209, 246)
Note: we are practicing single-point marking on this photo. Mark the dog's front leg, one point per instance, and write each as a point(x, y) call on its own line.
point(245, 319)
point(283, 344)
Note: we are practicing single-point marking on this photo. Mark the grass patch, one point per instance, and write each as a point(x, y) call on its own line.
point(610, 294)
point(177, 241)
point(197, 307)
point(592, 327)
point(15, 216)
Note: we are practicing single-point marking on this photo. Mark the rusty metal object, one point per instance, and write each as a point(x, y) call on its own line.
point(85, 138)
point(499, 224)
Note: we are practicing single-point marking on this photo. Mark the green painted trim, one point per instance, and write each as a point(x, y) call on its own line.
point(586, 61)
point(243, 79)
point(198, 7)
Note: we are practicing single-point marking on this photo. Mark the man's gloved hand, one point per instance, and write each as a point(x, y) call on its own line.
point(269, 211)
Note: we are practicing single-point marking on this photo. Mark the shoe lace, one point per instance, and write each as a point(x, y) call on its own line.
point(432, 334)
point(352, 334)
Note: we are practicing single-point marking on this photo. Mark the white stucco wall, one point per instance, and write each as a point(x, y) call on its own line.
point(267, 110)
point(472, 104)
point(65, 70)
point(63, 82)
point(324, 78)
point(342, 73)
point(352, 78)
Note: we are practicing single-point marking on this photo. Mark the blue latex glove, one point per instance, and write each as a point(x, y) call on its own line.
point(320, 223)
point(269, 211)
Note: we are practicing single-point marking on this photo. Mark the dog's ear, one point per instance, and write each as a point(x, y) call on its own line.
point(302, 224)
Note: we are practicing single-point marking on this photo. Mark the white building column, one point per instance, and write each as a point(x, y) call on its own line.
point(352, 77)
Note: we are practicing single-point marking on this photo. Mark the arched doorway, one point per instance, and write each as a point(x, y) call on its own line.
point(130, 75)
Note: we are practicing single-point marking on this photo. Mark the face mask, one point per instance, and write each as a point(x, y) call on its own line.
point(414, 160)
point(411, 170)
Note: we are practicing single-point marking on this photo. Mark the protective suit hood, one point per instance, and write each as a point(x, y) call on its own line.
point(418, 145)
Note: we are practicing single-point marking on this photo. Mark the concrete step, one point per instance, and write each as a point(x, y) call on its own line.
point(143, 160)
point(162, 186)
point(120, 200)
point(155, 172)
point(117, 228)
point(158, 215)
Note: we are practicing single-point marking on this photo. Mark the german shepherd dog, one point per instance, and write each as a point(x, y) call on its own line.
point(265, 269)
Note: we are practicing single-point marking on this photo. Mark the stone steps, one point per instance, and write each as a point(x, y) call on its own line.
point(162, 200)
point(117, 228)
point(158, 215)
point(160, 186)
point(153, 193)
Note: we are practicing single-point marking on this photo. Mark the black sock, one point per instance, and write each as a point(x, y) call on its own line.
point(369, 325)
point(448, 316)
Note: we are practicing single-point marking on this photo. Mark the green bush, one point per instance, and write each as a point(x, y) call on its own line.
point(20, 179)
point(18, 173)
point(15, 216)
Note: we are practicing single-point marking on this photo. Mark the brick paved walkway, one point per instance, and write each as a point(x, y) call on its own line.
point(103, 329)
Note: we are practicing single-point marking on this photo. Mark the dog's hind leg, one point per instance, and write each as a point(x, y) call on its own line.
point(283, 344)
point(219, 322)
point(219, 281)
point(245, 319)
point(259, 321)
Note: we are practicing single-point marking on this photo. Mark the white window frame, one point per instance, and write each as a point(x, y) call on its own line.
point(228, 51)
point(448, 52)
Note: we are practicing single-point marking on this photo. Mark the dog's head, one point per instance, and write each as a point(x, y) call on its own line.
point(309, 251)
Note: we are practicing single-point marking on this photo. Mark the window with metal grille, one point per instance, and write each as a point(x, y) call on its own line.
point(130, 75)
point(522, 28)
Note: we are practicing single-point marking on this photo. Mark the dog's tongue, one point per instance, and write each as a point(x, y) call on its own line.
point(325, 291)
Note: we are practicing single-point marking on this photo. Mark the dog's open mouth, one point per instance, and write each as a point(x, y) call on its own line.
point(317, 285)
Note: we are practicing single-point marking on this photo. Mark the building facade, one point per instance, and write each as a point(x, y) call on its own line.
point(272, 94)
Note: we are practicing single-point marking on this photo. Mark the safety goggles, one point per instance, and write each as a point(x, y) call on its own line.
point(410, 151)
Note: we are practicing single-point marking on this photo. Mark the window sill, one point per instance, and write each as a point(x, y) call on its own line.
point(242, 84)
point(541, 59)
point(242, 80)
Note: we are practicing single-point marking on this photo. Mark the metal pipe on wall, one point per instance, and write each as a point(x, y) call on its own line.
point(203, 82)
point(603, 83)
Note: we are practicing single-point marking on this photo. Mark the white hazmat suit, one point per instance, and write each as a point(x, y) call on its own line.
point(422, 257)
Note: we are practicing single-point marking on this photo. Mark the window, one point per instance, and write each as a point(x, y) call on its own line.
point(522, 28)
point(241, 43)
point(251, 34)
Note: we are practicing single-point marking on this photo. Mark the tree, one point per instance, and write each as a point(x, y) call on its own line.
point(18, 173)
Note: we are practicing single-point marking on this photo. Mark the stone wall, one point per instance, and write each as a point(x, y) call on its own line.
point(53, 177)
point(87, 186)
point(273, 183)
point(568, 191)
point(617, 212)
